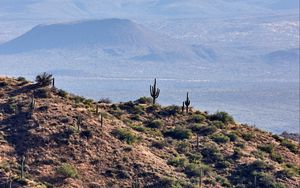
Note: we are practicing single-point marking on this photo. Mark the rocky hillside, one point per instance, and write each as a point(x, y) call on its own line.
point(50, 138)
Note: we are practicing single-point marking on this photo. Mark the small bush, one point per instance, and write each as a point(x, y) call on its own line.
point(179, 133)
point(237, 154)
point(268, 148)
point(277, 138)
point(288, 144)
point(155, 124)
point(218, 124)
point(41, 93)
point(223, 164)
point(21, 79)
point(62, 93)
point(211, 154)
point(194, 157)
point(138, 128)
point(276, 157)
point(177, 162)
point(105, 101)
point(125, 135)
point(170, 111)
point(207, 130)
point(67, 170)
point(183, 147)
point(144, 100)
point(159, 144)
point(197, 118)
point(232, 136)
point(221, 116)
point(195, 170)
point(247, 136)
point(220, 138)
point(86, 134)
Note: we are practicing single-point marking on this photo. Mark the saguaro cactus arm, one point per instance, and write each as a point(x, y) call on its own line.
point(154, 91)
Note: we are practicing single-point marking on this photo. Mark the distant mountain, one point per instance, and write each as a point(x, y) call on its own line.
point(283, 56)
point(115, 37)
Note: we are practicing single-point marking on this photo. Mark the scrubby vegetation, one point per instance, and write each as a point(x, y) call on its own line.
point(137, 143)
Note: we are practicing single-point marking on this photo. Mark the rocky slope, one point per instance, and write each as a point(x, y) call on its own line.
point(62, 142)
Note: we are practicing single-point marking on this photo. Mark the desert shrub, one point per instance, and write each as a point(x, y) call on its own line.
point(86, 134)
point(220, 138)
point(159, 144)
point(289, 171)
point(247, 136)
point(194, 157)
point(105, 101)
point(156, 124)
point(41, 93)
point(132, 108)
point(138, 128)
point(288, 144)
point(197, 118)
point(144, 100)
point(207, 130)
point(221, 116)
point(223, 164)
point(62, 93)
point(183, 147)
point(177, 162)
point(179, 133)
point(67, 170)
point(196, 127)
point(232, 136)
point(44, 79)
point(125, 135)
point(78, 99)
point(3, 84)
point(22, 79)
point(152, 108)
point(211, 154)
point(237, 154)
point(240, 145)
point(88, 102)
point(170, 111)
point(223, 181)
point(218, 124)
point(276, 157)
point(277, 138)
point(195, 170)
point(268, 148)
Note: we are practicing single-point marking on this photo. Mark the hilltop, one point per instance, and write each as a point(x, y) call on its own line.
point(64, 142)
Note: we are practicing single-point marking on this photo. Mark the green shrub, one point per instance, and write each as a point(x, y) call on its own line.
point(197, 118)
point(105, 101)
point(276, 157)
point(22, 79)
point(232, 136)
point(277, 138)
point(183, 147)
point(268, 148)
point(221, 116)
point(179, 133)
point(156, 124)
point(223, 164)
point(138, 128)
point(125, 135)
point(194, 157)
point(288, 144)
point(218, 124)
point(195, 170)
point(86, 134)
point(177, 162)
point(67, 170)
point(62, 93)
point(220, 138)
point(41, 93)
point(159, 144)
point(211, 154)
point(247, 136)
point(207, 130)
point(237, 154)
point(144, 100)
point(170, 111)
point(240, 145)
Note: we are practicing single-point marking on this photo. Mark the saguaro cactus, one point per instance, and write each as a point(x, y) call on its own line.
point(187, 102)
point(183, 107)
point(101, 119)
point(200, 178)
point(197, 141)
point(32, 103)
point(53, 83)
point(154, 92)
point(79, 122)
point(22, 167)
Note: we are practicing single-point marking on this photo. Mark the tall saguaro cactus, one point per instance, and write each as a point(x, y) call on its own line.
point(53, 82)
point(22, 167)
point(154, 92)
point(187, 102)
